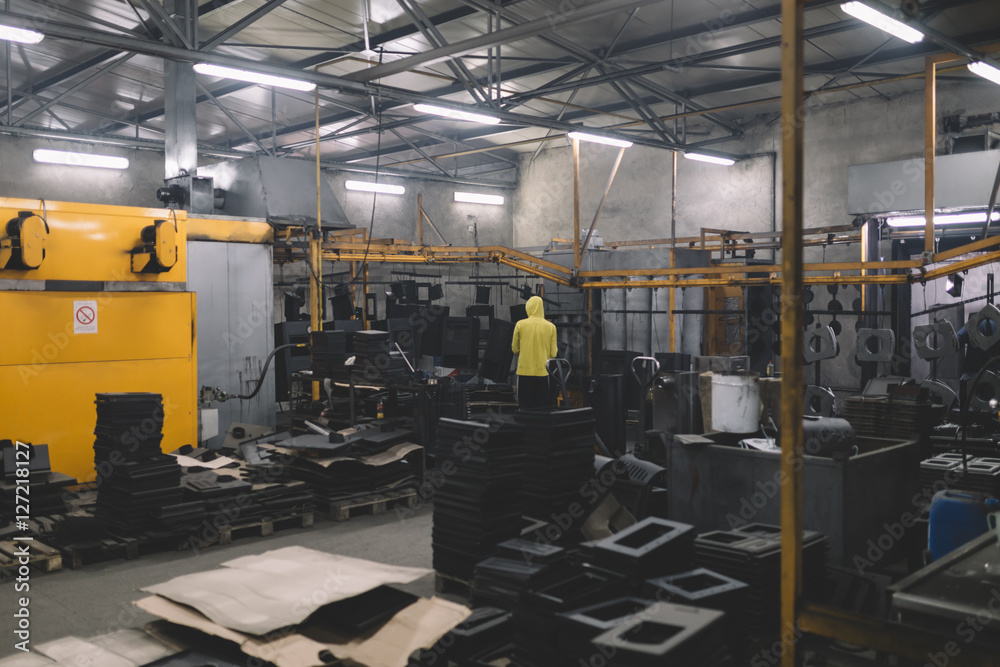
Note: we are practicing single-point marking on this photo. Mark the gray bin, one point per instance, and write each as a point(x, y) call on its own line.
point(852, 501)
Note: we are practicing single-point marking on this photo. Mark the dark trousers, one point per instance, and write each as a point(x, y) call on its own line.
point(533, 392)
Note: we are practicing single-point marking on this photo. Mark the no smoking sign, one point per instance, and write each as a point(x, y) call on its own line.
point(84, 317)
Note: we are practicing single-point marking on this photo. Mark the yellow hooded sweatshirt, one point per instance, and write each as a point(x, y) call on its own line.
point(534, 340)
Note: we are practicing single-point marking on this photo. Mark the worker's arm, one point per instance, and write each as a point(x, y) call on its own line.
point(553, 344)
point(515, 344)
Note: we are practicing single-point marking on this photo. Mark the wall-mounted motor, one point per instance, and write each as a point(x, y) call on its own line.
point(194, 194)
point(24, 246)
point(158, 252)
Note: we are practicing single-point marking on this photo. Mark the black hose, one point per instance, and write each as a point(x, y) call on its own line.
point(263, 373)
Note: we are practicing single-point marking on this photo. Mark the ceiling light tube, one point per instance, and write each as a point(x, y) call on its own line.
point(477, 198)
point(713, 159)
point(454, 113)
point(598, 139)
point(381, 188)
point(947, 219)
point(72, 159)
point(986, 71)
point(254, 77)
point(11, 34)
point(872, 16)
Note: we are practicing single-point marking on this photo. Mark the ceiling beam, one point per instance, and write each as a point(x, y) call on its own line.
point(589, 12)
point(98, 59)
point(241, 25)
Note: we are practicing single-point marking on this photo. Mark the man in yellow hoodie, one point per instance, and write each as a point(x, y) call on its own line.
point(534, 344)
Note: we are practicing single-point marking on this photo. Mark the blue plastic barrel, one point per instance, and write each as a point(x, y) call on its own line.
point(957, 517)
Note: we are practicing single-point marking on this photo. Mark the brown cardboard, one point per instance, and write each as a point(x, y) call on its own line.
point(418, 626)
point(280, 588)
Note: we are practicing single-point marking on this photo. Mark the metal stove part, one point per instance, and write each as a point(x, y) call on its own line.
point(820, 402)
point(934, 341)
point(986, 390)
point(827, 437)
point(820, 344)
point(984, 327)
point(876, 345)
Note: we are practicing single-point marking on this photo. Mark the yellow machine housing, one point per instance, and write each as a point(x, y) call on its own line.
point(59, 347)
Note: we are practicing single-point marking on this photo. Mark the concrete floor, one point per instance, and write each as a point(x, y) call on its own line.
point(97, 599)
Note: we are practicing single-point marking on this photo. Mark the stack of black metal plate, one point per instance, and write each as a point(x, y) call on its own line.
point(499, 580)
point(484, 632)
point(710, 590)
point(535, 622)
point(375, 358)
point(328, 351)
point(576, 629)
point(134, 479)
point(45, 488)
point(650, 548)
point(559, 459)
point(949, 471)
point(940, 472)
point(753, 555)
point(667, 634)
point(478, 503)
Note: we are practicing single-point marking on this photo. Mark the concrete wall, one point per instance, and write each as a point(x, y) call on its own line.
point(21, 176)
point(741, 197)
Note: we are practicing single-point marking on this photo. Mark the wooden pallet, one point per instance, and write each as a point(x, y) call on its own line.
point(43, 558)
point(130, 547)
point(376, 503)
point(445, 583)
point(265, 527)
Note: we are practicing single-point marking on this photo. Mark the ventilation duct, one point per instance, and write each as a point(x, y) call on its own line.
point(280, 190)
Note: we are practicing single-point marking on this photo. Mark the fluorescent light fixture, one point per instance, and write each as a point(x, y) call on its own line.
point(952, 219)
point(458, 115)
point(476, 198)
point(896, 28)
point(598, 139)
point(713, 159)
point(11, 34)
point(253, 77)
point(381, 188)
point(986, 71)
point(79, 159)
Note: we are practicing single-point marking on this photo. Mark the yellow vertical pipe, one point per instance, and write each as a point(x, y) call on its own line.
point(576, 203)
point(672, 304)
point(420, 218)
point(792, 386)
point(930, 150)
point(315, 261)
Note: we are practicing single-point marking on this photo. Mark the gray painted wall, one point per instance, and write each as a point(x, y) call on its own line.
point(739, 197)
point(21, 176)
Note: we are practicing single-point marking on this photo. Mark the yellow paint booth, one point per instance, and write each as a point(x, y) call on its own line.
point(84, 322)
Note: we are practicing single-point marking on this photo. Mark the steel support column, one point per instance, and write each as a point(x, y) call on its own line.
point(930, 152)
point(181, 152)
point(792, 398)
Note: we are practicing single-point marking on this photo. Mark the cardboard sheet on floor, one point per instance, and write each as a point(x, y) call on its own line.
point(76, 651)
point(418, 626)
point(134, 645)
point(394, 453)
point(27, 660)
point(609, 518)
point(189, 462)
point(276, 589)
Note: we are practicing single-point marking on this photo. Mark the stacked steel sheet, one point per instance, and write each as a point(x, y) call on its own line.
point(948, 471)
point(752, 555)
point(559, 459)
point(328, 351)
point(667, 634)
point(650, 548)
point(477, 505)
point(375, 358)
point(135, 480)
